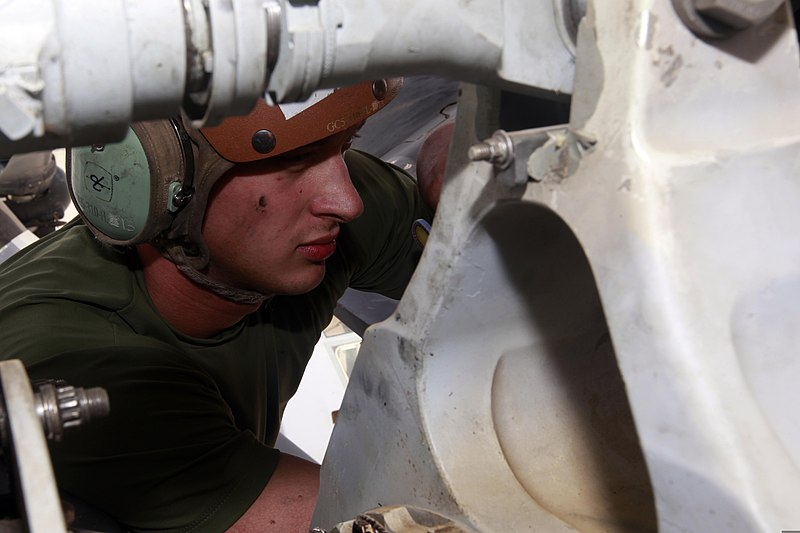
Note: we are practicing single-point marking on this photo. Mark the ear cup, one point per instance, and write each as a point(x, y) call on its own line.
point(110, 186)
point(125, 191)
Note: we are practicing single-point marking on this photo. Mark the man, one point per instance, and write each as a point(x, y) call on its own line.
point(194, 289)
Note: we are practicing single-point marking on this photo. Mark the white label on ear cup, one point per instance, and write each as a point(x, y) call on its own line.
point(98, 181)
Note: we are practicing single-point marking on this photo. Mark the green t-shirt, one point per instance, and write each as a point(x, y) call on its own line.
point(187, 446)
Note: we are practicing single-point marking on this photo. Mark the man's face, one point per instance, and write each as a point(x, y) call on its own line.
point(270, 225)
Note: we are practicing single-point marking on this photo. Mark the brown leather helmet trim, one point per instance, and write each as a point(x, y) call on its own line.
point(340, 110)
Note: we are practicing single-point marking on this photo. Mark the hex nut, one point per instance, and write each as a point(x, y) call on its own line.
point(738, 14)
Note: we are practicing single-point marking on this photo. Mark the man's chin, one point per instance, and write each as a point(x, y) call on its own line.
point(304, 285)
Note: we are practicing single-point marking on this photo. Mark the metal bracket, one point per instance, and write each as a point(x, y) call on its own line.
point(541, 154)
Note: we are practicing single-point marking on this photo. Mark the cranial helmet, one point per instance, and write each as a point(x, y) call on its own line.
point(153, 186)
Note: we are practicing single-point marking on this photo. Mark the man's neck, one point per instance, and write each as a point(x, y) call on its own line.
point(187, 307)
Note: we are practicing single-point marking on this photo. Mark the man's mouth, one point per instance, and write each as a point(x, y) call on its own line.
point(319, 250)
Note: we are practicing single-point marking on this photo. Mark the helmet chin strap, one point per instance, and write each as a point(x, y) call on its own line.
point(239, 296)
point(207, 167)
point(189, 264)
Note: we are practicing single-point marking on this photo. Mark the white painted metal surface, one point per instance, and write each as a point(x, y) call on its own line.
point(336, 41)
point(310, 415)
point(612, 346)
point(16, 244)
point(42, 505)
point(80, 71)
point(87, 64)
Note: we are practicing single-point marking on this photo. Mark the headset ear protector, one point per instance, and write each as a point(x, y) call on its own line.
point(129, 192)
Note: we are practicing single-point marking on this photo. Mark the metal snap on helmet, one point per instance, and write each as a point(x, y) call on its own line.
point(154, 185)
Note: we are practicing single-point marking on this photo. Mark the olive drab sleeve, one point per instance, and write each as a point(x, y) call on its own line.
point(381, 250)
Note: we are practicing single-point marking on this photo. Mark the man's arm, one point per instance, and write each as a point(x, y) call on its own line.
point(287, 501)
point(432, 161)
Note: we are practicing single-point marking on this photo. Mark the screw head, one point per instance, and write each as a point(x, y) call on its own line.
point(263, 141)
point(379, 89)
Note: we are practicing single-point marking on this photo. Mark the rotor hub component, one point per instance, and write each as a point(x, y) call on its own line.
point(61, 407)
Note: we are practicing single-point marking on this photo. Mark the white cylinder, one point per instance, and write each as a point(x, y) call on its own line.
point(332, 43)
point(239, 42)
point(157, 36)
point(94, 64)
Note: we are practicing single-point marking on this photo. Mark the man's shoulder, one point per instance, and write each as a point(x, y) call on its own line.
point(363, 165)
point(59, 292)
point(67, 262)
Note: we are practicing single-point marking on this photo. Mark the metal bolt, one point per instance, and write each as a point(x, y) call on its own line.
point(263, 141)
point(723, 18)
point(379, 89)
point(98, 147)
point(182, 196)
point(61, 406)
point(498, 150)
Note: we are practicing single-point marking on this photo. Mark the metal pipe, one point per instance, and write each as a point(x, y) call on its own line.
point(79, 72)
point(336, 42)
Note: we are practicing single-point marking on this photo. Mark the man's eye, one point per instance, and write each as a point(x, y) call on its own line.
point(296, 158)
point(299, 157)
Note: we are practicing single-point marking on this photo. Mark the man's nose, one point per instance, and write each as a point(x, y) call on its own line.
point(336, 196)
